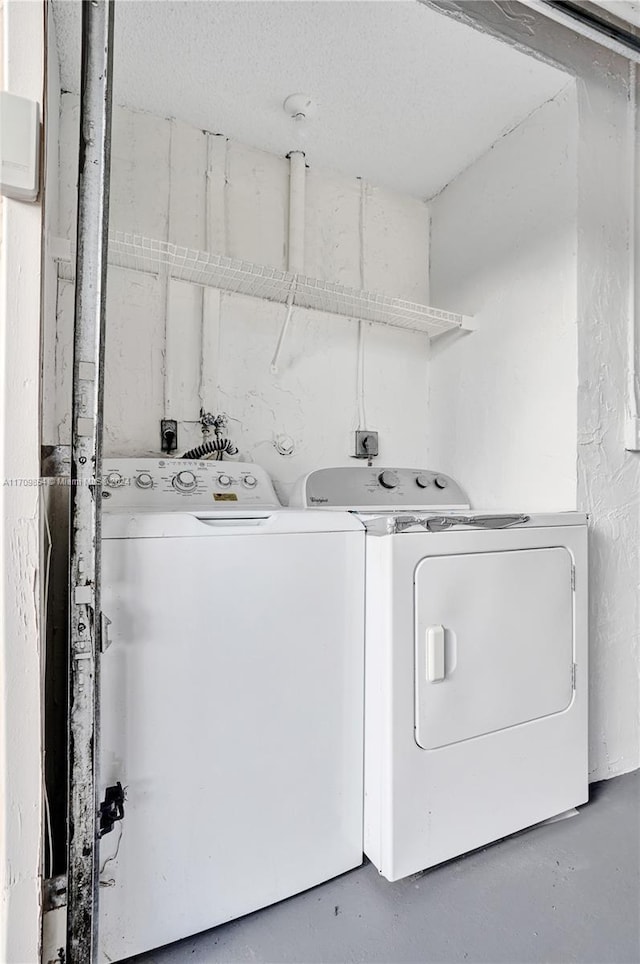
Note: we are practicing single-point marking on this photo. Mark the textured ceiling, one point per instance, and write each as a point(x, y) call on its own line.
point(406, 98)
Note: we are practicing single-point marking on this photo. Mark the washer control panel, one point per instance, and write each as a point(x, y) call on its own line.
point(370, 489)
point(171, 484)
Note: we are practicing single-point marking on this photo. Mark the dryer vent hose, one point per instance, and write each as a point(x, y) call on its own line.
point(219, 445)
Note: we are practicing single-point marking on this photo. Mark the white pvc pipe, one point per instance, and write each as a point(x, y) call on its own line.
point(297, 185)
point(297, 179)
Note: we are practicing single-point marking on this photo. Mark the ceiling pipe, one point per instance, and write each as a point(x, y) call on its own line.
point(295, 247)
point(586, 24)
point(297, 185)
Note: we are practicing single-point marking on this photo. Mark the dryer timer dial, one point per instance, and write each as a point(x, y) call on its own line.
point(388, 480)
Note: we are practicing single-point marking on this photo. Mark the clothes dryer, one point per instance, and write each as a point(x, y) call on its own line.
point(476, 663)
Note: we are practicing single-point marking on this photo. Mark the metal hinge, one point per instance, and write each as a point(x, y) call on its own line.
point(105, 638)
point(573, 676)
point(573, 578)
point(111, 808)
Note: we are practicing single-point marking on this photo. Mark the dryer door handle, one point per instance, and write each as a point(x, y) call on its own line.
point(435, 653)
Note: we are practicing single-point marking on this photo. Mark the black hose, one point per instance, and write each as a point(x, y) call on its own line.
point(218, 445)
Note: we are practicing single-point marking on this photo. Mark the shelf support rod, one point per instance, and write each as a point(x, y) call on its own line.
point(285, 326)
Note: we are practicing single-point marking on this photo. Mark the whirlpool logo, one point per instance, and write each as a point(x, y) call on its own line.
point(317, 501)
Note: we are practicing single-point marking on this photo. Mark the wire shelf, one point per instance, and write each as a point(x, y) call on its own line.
point(151, 256)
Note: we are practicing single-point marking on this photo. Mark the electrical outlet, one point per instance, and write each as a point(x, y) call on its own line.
point(168, 435)
point(366, 444)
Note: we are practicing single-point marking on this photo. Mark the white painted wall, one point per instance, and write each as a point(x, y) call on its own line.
point(608, 477)
point(20, 746)
point(173, 182)
point(503, 403)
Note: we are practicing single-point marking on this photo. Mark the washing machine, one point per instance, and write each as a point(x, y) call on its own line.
point(476, 663)
point(231, 699)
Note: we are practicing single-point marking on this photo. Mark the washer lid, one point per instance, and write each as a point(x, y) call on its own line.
point(140, 524)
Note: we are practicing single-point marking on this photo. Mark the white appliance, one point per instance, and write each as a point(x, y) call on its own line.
point(231, 698)
point(476, 664)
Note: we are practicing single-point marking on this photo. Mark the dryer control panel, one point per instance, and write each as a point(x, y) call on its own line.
point(372, 489)
point(170, 484)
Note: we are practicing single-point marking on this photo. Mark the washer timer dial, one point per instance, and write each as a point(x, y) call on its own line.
point(184, 481)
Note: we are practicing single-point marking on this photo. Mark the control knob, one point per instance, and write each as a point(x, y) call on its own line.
point(224, 481)
point(423, 480)
point(389, 480)
point(440, 481)
point(114, 480)
point(184, 481)
point(250, 481)
point(144, 480)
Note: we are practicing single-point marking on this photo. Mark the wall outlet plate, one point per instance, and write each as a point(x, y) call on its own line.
point(366, 444)
point(19, 147)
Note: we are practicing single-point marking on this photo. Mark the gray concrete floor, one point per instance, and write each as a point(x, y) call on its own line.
point(561, 892)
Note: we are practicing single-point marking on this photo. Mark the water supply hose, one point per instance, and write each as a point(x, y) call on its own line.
point(218, 445)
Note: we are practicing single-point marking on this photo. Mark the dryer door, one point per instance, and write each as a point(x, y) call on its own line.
point(493, 642)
